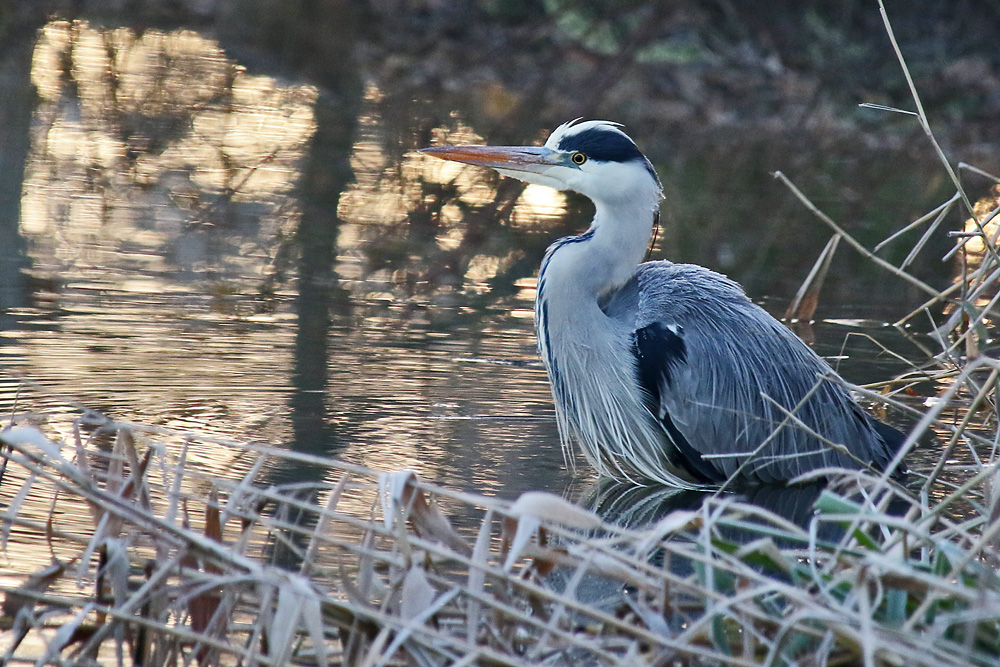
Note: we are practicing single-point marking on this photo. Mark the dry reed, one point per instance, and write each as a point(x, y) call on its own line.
point(180, 566)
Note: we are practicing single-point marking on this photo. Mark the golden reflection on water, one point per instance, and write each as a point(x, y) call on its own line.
point(140, 140)
point(159, 175)
point(980, 232)
point(158, 197)
point(387, 191)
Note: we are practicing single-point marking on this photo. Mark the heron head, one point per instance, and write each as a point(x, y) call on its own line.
point(595, 158)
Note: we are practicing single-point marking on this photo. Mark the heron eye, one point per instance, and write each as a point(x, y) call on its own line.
point(578, 158)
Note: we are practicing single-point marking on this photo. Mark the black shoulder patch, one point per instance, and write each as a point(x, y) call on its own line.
point(659, 349)
point(602, 144)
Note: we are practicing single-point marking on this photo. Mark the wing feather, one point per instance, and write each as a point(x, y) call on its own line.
point(725, 402)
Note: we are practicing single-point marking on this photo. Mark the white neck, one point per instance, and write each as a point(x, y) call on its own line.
point(605, 257)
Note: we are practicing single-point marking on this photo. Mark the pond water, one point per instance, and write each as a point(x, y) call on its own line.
point(204, 246)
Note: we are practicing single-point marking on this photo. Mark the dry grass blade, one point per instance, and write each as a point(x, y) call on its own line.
point(803, 306)
point(921, 116)
point(329, 511)
point(13, 509)
point(552, 508)
point(726, 584)
point(938, 211)
point(925, 237)
point(977, 170)
point(477, 575)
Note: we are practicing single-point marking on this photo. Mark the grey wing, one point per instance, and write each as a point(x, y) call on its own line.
point(722, 377)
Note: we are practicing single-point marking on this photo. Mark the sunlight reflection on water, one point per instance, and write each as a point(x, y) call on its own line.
point(158, 199)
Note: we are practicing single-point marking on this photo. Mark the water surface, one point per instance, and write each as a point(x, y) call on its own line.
point(203, 246)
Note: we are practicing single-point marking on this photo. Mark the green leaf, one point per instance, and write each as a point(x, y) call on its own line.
point(719, 637)
point(895, 607)
point(865, 540)
point(831, 503)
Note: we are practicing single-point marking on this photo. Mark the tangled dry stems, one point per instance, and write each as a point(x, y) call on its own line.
point(185, 566)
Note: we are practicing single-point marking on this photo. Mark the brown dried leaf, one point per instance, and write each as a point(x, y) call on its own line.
point(213, 527)
point(202, 607)
point(972, 343)
point(428, 521)
point(425, 516)
point(188, 560)
point(37, 582)
point(527, 526)
point(136, 480)
point(507, 533)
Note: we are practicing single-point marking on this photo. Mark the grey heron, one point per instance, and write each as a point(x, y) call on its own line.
point(669, 372)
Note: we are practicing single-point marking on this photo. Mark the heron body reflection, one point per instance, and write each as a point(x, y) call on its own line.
point(667, 372)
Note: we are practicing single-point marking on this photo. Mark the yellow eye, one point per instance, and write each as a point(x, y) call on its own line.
point(578, 158)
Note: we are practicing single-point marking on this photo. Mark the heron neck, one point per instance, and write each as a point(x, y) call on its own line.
point(621, 237)
point(605, 257)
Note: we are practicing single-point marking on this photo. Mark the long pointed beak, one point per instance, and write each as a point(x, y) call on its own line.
point(532, 159)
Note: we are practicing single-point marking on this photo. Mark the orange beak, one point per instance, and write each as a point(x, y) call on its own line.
point(531, 159)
